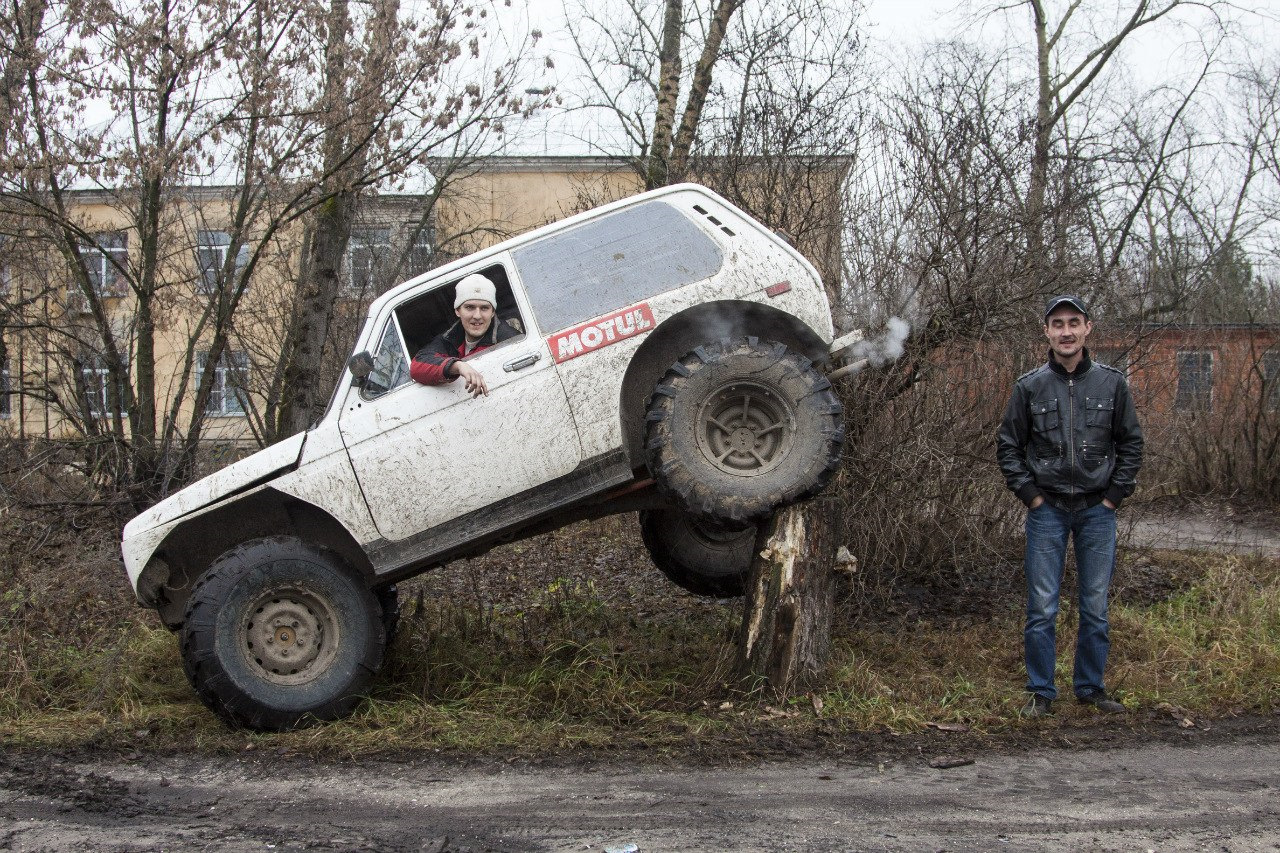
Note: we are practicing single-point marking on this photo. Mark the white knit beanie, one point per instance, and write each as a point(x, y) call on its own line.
point(475, 286)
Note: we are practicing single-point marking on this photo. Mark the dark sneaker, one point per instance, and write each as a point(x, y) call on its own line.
point(1104, 703)
point(1037, 706)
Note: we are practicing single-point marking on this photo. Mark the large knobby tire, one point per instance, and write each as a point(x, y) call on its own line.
point(703, 557)
point(279, 634)
point(738, 429)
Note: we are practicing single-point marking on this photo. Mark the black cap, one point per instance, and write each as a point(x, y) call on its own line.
point(1066, 299)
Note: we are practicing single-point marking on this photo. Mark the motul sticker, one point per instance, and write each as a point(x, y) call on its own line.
point(595, 334)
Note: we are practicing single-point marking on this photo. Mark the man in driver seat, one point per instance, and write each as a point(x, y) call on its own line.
point(478, 328)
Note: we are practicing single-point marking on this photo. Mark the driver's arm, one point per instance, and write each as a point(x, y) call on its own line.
point(433, 365)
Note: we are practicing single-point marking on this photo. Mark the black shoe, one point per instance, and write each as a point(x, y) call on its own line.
point(1104, 703)
point(1037, 706)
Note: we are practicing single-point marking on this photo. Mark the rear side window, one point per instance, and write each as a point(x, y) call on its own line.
point(612, 262)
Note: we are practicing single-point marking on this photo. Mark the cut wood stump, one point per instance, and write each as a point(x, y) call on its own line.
point(785, 639)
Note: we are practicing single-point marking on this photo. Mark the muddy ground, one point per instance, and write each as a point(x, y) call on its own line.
point(1153, 780)
point(1112, 786)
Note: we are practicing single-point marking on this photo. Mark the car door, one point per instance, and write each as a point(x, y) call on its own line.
point(428, 455)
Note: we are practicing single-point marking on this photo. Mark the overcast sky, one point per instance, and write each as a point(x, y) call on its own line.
point(894, 29)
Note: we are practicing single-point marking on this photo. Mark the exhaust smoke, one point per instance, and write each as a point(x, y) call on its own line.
point(883, 349)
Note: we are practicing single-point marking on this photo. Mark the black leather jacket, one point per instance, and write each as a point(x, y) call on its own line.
point(1072, 437)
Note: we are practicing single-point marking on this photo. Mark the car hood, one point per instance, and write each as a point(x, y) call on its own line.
point(236, 477)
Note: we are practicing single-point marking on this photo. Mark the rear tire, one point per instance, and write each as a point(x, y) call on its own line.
point(279, 634)
point(738, 429)
point(700, 556)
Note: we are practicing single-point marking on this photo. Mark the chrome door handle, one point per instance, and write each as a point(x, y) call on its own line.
point(522, 362)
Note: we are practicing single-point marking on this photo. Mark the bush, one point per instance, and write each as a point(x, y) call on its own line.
point(921, 500)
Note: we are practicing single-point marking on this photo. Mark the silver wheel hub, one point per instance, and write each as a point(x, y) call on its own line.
point(290, 636)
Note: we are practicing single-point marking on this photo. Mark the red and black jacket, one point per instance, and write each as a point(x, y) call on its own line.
point(431, 364)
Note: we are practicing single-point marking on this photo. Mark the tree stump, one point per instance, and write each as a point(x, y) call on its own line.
point(785, 639)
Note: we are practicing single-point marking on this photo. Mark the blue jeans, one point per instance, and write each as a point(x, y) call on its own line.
point(1094, 532)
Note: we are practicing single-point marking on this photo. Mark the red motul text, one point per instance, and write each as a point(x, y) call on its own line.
point(601, 332)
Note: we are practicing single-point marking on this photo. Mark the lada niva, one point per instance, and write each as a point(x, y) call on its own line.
point(665, 363)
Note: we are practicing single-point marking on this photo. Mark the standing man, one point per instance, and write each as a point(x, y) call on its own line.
point(1070, 448)
point(440, 362)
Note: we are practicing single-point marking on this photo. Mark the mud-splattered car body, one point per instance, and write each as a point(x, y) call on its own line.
point(412, 476)
point(663, 362)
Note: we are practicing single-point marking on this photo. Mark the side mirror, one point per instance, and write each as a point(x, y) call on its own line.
point(360, 365)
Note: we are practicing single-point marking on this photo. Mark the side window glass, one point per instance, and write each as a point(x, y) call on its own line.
point(614, 261)
point(390, 364)
point(430, 320)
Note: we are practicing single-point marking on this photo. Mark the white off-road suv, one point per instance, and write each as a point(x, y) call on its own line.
point(665, 364)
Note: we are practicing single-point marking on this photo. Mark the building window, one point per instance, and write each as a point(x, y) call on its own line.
point(6, 274)
point(103, 399)
point(6, 408)
point(365, 251)
point(211, 257)
point(1117, 358)
point(1195, 380)
point(422, 254)
point(1271, 380)
point(228, 394)
point(104, 259)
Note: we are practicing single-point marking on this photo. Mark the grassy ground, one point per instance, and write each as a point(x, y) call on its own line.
point(574, 641)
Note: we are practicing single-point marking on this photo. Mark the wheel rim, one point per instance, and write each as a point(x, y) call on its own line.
point(745, 429)
point(290, 636)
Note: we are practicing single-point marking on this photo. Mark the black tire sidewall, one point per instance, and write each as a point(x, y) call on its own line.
point(707, 566)
point(676, 457)
point(221, 670)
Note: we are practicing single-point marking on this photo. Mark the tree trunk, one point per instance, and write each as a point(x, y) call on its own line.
point(785, 639)
point(1039, 179)
point(699, 88)
point(303, 397)
point(656, 174)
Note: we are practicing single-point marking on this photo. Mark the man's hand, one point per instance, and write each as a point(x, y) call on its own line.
point(1036, 502)
point(1108, 504)
point(472, 380)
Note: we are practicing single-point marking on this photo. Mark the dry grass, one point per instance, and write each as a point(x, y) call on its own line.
point(575, 641)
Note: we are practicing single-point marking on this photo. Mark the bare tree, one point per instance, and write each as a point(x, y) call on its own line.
point(211, 120)
point(991, 178)
point(635, 62)
point(787, 123)
point(1063, 78)
point(147, 67)
point(386, 105)
point(770, 117)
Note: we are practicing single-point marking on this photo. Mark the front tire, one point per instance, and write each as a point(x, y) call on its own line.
point(738, 429)
point(702, 557)
point(279, 633)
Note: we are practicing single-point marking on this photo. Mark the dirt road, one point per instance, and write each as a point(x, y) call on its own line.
point(1208, 526)
point(1214, 792)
